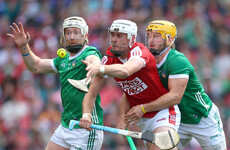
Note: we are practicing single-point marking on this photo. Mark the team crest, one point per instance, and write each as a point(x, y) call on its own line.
point(163, 74)
point(74, 63)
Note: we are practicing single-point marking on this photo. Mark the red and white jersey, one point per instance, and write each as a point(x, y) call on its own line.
point(143, 86)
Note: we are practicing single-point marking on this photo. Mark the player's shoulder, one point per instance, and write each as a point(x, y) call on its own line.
point(90, 48)
point(178, 56)
point(140, 45)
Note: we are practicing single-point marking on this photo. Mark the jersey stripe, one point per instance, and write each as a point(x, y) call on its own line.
point(136, 52)
point(91, 140)
point(179, 76)
point(94, 116)
point(200, 99)
point(53, 66)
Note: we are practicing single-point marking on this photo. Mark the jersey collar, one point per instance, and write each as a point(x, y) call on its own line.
point(163, 60)
point(79, 53)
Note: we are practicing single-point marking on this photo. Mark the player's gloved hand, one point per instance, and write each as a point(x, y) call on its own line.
point(85, 121)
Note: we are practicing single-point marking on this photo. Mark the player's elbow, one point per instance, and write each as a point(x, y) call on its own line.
point(125, 73)
point(176, 98)
point(33, 68)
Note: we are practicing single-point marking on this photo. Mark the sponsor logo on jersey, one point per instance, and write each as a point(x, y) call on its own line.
point(134, 86)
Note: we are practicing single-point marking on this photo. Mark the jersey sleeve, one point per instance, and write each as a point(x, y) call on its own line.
point(55, 64)
point(108, 58)
point(179, 67)
point(91, 51)
point(139, 52)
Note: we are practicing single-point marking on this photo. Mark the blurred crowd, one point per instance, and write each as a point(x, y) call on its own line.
point(30, 104)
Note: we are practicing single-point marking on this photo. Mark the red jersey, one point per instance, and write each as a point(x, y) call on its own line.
point(143, 86)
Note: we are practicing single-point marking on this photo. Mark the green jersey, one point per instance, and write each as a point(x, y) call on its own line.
point(72, 68)
point(195, 103)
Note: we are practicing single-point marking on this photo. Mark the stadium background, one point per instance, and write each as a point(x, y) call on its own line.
point(30, 104)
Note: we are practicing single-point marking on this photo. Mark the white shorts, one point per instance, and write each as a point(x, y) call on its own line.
point(163, 118)
point(209, 132)
point(78, 138)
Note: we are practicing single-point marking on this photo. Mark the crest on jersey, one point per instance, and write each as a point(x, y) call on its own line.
point(163, 74)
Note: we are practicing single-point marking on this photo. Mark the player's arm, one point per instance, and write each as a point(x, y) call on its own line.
point(93, 59)
point(173, 97)
point(121, 71)
point(123, 109)
point(176, 89)
point(89, 101)
point(33, 63)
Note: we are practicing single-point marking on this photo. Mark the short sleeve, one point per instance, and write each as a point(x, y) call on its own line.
point(179, 67)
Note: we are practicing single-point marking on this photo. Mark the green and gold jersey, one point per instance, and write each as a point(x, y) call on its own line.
point(72, 68)
point(195, 103)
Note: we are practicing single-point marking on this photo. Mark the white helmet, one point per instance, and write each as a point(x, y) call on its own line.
point(72, 22)
point(125, 26)
point(78, 22)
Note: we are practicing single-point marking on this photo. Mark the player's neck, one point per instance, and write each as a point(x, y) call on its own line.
point(160, 58)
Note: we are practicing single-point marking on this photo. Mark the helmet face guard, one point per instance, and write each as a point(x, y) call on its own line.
point(157, 36)
point(122, 26)
point(74, 34)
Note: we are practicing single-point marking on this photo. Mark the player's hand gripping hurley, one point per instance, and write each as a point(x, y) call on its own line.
point(164, 140)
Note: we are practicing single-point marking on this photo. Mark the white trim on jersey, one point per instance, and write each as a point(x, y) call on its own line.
point(163, 60)
point(137, 53)
point(122, 60)
point(94, 116)
point(176, 76)
point(79, 53)
point(53, 66)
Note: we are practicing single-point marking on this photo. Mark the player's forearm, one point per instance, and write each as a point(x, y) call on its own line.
point(117, 71)
point(125, 70)
point(124, 106)
point(165, 101)
point(30, 59)
point(90, 98)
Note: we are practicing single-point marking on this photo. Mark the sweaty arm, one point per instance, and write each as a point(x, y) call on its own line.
point(176, 89)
